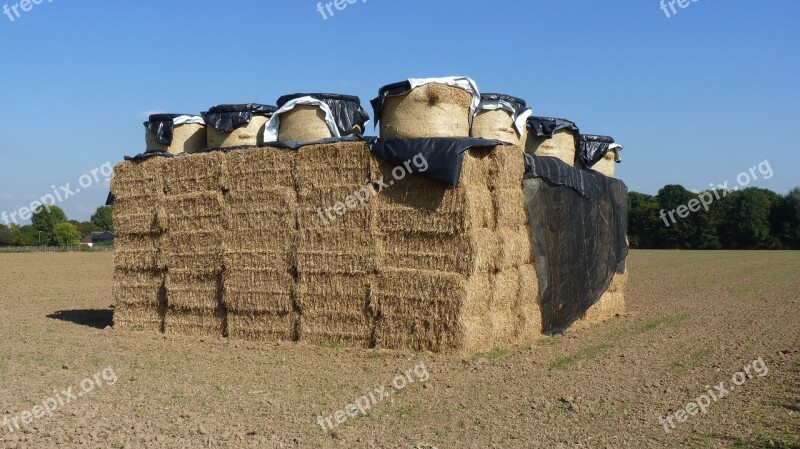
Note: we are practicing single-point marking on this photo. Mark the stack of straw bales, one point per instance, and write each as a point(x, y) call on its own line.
point(431, 110)
point(336, 259)
point(261, 208)
point(235, 245)
point(139, 222)
point(193, 244)
point(456, 267)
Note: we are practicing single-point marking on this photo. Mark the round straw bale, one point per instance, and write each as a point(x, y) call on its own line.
point(304, 123)
point(561, 145)
point(432, 110)
point(250, 135)
point(497, 124)
point(186, 138)
point(607, 164)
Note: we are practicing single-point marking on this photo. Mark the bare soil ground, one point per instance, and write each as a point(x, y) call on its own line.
point(695, 319)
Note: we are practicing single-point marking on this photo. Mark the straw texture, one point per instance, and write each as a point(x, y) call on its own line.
point(304, 123)
point(497, 124)
point(432, 110)
point(250, 135)
point(561, 146)
point(607, 165)
point(186, 138)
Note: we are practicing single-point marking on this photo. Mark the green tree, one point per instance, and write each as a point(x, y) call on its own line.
point(86, 228)
point(5, 235)
point(45, 219)
point(679, 234)
point(104, 218)
point(66, 234)
point(745, 220)
point(23, 236)
point(785, 218)
point(643, 220)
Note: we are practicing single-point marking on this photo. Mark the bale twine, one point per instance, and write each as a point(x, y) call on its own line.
point(304, 123)
point(497, 124)
point(431, 110)
point(561, 146)
point(250, 135)
point(186, 138)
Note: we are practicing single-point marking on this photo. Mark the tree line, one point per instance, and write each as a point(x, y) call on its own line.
point(51, 227)
point(751, 218)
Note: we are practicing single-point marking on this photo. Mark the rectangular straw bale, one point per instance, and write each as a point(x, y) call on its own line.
point(142, 288)
point(466, 253)
point(335, 207)
point(355, 332)
point(201, 251)
point(195, 323)
point(259, 250)
point(507, 167)
point(195, 173)
point(419, 334)
point(274, 209)
point(340, 164)
point(515, 247)
point(336, 251)
point(475, 169)
point(187, 290)
point(200, 211)
point(138, 318)
point(260, 169)
point(251, 291)
point(404, 294)
point(138, 178)
point(264, 327)
point(510, 208)
point(529, 318)
point(138, 252)
point(137, 215)
point(423, 205)
point(611, 304)
point(334, 296)
point(503, 311)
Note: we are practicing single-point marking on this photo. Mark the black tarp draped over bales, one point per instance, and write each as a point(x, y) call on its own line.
point(578, 221)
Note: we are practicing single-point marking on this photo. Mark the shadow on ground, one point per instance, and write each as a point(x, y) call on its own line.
point(97, 318)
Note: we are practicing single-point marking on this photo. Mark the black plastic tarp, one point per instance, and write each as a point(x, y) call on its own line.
point(519, 104)
point(389, 90)
point(444, 155)
point(346, 109)
point(547, 126)
point(162, 127)
point(148, 155)
point(593, 148)
point(226, 118)
point(578, 237)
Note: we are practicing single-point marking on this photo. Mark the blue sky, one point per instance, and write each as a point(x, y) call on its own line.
point(696, 98)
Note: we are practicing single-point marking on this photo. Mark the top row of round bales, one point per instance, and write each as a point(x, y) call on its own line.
point(449, 107)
